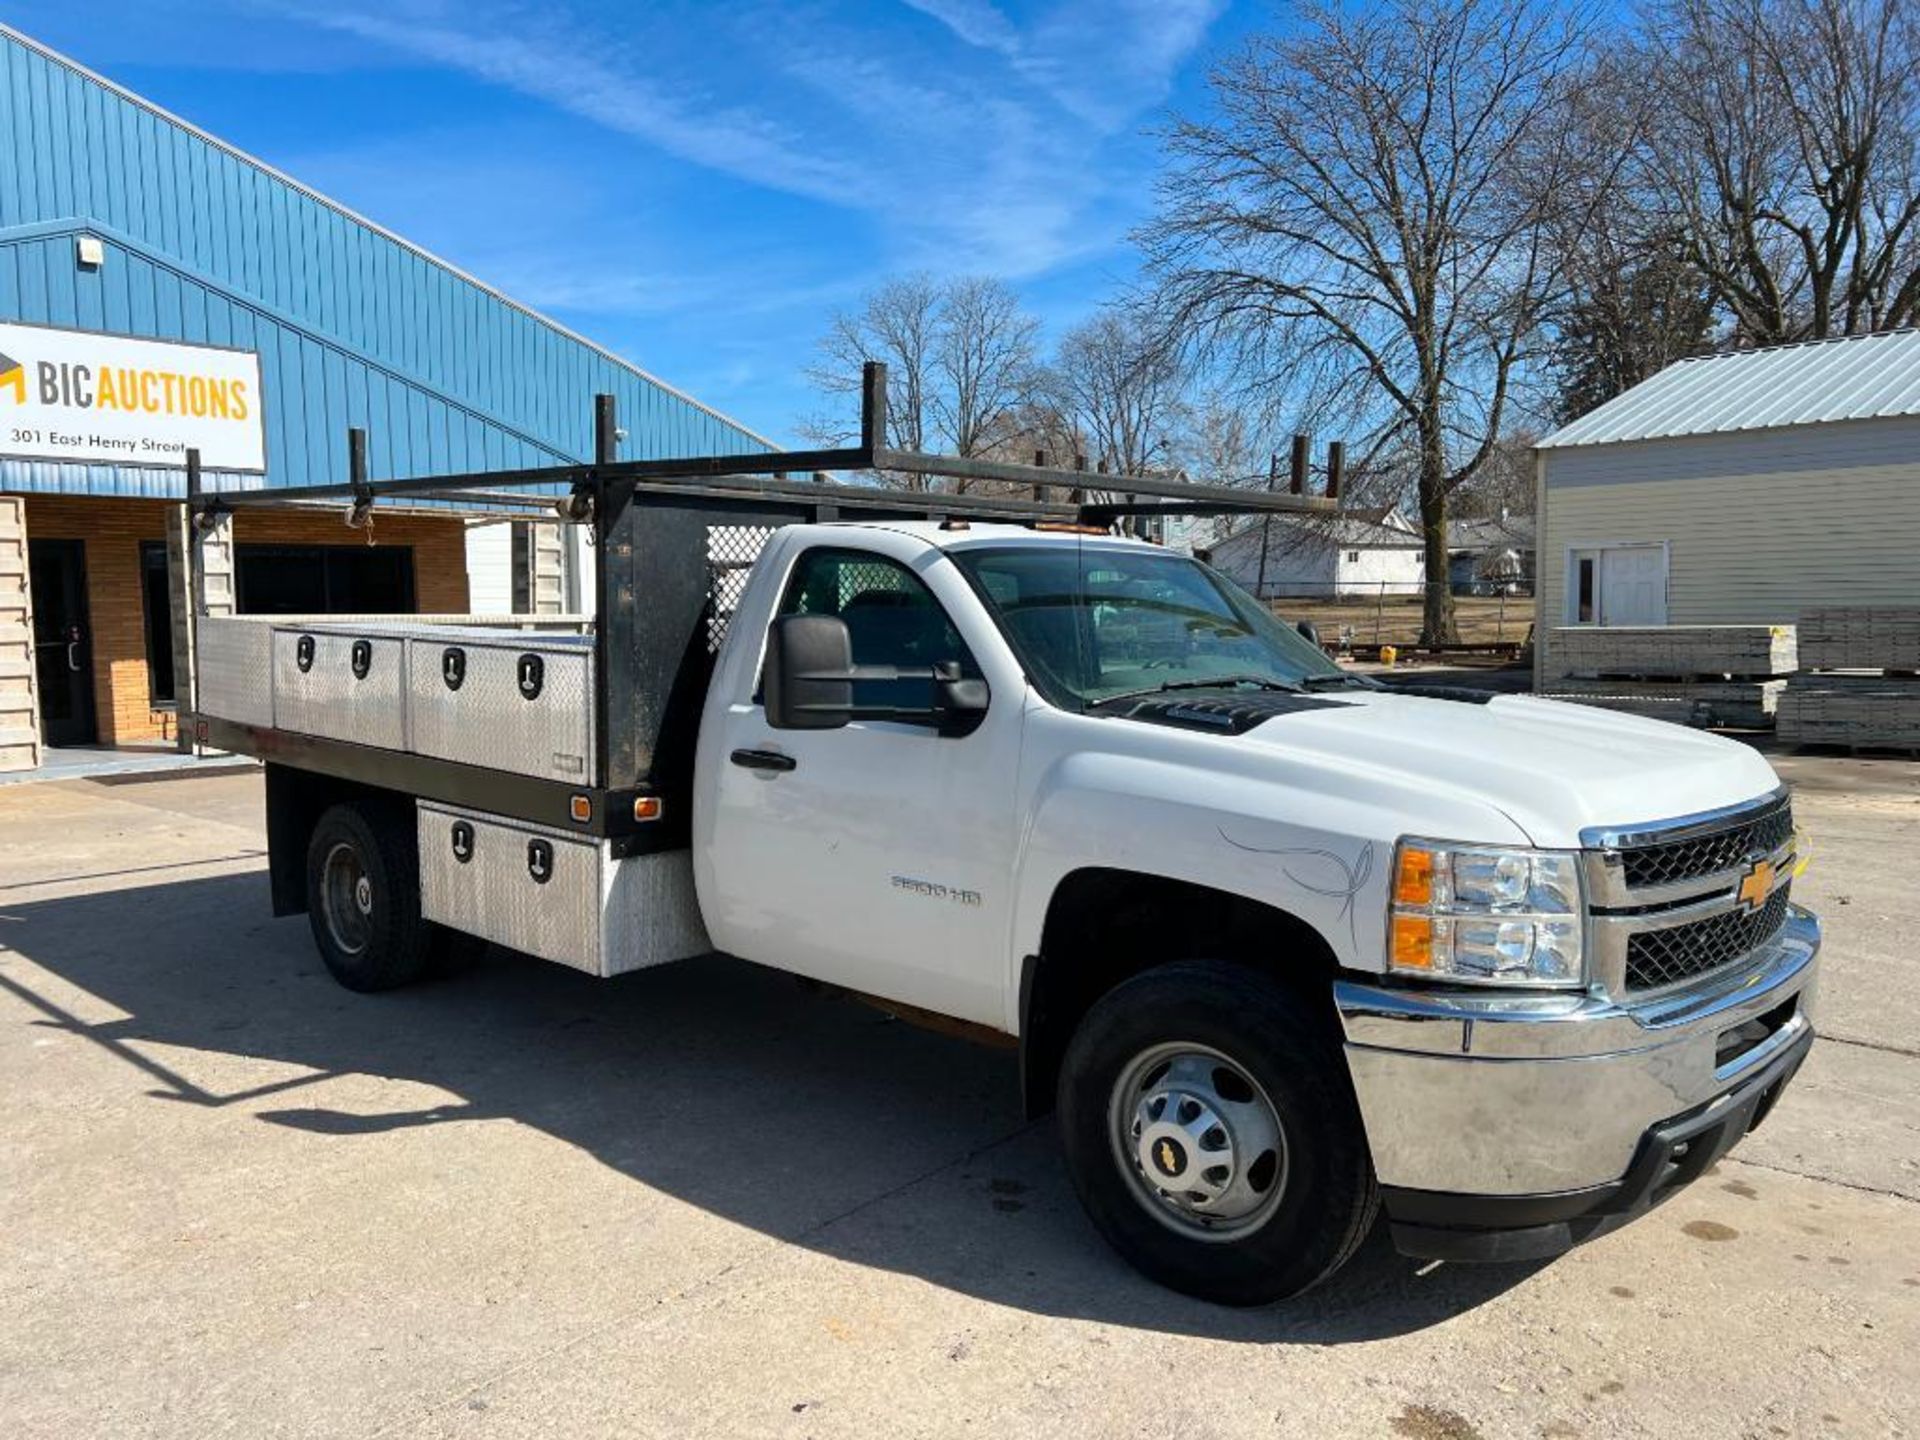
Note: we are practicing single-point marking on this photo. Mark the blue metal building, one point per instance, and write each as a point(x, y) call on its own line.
point(118, 218)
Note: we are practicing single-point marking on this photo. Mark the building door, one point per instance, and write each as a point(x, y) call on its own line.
point(1617, 585)
point(1633, 585)
point(62, 641)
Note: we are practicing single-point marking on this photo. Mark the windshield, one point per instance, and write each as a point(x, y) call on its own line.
point(1096, 623)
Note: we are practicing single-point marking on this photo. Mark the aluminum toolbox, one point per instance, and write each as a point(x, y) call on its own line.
point(341, 683)
point(518, 702)
point(556, 895)
point(234, 670)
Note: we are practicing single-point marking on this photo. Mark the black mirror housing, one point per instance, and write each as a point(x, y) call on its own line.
point(959, 705)
point(808, 682)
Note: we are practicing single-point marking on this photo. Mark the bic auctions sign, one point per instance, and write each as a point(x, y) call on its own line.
point(105, 399)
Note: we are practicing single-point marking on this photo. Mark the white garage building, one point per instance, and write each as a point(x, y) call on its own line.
point(1365, 555)
point(1737, 489)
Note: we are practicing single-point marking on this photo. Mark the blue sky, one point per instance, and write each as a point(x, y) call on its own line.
point(697, 186)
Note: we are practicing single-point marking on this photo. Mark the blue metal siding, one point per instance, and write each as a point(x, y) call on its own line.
point(352, 326)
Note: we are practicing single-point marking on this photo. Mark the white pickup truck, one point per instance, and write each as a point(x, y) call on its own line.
point(1280, 946)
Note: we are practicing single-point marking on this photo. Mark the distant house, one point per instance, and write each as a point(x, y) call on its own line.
point(1739, 488)
point(1491, 554)
point(1364, 553)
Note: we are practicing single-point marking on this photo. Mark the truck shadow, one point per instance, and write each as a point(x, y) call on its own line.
point(814, 1120)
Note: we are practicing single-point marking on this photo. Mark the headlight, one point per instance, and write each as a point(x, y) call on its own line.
point(1487, 916)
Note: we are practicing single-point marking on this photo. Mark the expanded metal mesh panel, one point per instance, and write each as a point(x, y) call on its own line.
point(1656, 958)
point(731, 551)
point(1761, 833)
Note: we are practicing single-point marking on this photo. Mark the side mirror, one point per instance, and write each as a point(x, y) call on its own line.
point(1309, 632)
point(808, 684)
point(959, 704)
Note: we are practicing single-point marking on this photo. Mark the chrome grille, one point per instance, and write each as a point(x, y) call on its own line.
point(1673, 861)
point(1657, 958)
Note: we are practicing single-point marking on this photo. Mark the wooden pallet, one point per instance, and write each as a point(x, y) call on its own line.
point(1857, 711)
point(1675, 651)
point(1860, 637)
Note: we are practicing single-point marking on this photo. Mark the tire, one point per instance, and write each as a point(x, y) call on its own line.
point(363, 898)
point(1228, 1046)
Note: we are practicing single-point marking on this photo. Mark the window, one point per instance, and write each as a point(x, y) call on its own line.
point(1584, 613)
point(324, 579)
point(1091, 623)
point(892, 619)
point(156, 603)
point(1353, 557)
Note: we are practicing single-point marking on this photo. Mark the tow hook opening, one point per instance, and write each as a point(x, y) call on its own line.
point(1734, 1043)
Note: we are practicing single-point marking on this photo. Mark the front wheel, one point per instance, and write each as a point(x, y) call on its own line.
point(1212, 1134)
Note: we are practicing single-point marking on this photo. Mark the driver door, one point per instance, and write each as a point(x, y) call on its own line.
point(876, 856)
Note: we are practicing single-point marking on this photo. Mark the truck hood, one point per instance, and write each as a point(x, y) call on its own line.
point(1552, 768)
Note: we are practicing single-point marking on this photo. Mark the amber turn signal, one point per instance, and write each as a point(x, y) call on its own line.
point(1413, 876)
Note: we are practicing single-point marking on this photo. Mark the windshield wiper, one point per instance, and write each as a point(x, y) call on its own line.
point(1324, 682)
point(1213, 682)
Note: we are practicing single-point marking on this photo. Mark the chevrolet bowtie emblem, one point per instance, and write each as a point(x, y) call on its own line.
point(1169, 1160)
point(1757, 884)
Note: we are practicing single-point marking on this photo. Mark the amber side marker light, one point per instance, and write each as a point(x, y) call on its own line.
point(581, 808)
point(1413, 876)
point(646, 807)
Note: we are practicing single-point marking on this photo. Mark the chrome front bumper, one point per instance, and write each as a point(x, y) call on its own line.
point(1483, 1094)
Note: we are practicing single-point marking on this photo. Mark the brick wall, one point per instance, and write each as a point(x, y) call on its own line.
point(113, 530)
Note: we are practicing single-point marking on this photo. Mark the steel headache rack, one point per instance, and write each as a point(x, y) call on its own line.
point(586, 724)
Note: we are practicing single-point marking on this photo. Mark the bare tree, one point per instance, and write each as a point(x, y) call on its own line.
point(985, 358)
point(1364, 214)
point(1632, 301)
point(897, 323)
point(1785, 151)
point(960, 358)
point(1121, 384)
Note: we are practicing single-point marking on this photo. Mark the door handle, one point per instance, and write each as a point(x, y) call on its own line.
point(73, 656)
point(764, 760)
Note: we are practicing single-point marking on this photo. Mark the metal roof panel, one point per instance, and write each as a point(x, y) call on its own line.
point(1858, 377)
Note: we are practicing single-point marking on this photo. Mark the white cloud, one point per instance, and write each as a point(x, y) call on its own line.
point(975, 21)
point(992, 157)
point(550, 64)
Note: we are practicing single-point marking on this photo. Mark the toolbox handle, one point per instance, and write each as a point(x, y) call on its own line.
point(531, 672)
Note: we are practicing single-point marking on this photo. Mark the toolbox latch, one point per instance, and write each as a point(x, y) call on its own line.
point(532, 673)
point(539, 861)
point(462, 841)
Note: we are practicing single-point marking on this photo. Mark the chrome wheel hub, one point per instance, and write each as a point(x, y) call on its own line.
point(1199, 1140)
point(347, 899)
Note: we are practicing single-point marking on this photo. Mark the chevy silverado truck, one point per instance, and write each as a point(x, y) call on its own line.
point(1282, 948)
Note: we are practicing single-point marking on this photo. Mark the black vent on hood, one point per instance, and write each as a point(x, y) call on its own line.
point(1229, 713)
point(1443, 692)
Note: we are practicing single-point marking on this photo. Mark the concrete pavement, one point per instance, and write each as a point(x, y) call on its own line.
point(236, 1200)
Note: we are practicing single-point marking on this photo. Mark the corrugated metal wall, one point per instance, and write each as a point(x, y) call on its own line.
point(353, 327)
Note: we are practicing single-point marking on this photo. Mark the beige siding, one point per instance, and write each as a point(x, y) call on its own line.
point(1747, 548)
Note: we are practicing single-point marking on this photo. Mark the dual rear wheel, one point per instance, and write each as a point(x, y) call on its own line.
point(363, 901)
